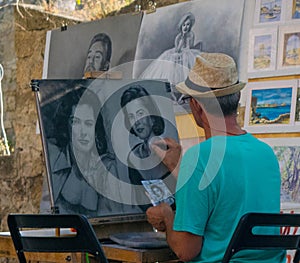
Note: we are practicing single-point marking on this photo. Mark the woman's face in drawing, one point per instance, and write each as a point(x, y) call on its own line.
point(186, 26)
point(139, 119)
point(83, 123)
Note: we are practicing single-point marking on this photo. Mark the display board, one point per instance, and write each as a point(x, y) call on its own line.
point(97, 137)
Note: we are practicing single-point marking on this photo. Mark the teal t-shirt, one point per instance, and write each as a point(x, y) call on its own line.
point(220, 180)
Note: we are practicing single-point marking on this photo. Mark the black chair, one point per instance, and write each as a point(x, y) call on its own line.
point(243, 238)
point(82, 239)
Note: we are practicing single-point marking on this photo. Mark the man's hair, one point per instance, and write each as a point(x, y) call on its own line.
point(221, 106)
point(105, 39)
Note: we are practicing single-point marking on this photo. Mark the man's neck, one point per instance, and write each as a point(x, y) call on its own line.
point(226, 126)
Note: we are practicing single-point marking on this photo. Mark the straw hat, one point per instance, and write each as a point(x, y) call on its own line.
point(213, 75)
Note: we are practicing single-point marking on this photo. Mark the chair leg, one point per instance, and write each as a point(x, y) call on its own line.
point(297, 256)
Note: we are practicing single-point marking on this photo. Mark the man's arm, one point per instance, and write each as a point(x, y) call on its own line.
point(184, 244)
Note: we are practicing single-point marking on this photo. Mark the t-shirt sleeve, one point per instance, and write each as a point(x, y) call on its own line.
point(192, 205)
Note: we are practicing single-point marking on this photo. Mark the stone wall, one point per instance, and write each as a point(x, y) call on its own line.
point(23, 35)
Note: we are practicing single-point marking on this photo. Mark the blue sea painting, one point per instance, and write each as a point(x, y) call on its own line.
point(271, 106)
point(270, 11)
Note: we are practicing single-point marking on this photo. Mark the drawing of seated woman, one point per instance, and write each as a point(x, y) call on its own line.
point(174, 64)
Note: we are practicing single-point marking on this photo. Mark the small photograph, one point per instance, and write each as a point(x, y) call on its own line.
point(158, 192)
point(262, 50)
point(268, 11)
point(289, 47)
point(270, 105)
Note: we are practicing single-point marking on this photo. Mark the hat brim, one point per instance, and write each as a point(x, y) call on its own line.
point(182, 88)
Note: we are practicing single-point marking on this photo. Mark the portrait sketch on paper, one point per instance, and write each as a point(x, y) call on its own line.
point(67, 52)
point(181, 31)
point(86, 135)
point(144, 115)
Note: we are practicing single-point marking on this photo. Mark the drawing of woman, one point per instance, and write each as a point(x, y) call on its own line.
point(174, 64)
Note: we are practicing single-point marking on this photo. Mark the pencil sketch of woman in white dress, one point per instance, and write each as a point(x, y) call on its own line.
point(174, 64)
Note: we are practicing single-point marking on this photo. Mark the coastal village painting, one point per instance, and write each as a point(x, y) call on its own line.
point(291, 49)
point(270, 11)
point(271, 106)
point(262, 51)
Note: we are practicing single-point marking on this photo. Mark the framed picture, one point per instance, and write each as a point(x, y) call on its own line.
point(287, 151)
point(268, 12)
point(289, 48)
point(292, 10)
point(297, 113)
point(262, 50)
point(270, 106)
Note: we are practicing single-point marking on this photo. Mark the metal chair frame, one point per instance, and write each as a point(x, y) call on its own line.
point(243, 238)
point(84, 238)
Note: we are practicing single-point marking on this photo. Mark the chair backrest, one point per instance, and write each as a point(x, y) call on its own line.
point(43, 238)
point(243, 237)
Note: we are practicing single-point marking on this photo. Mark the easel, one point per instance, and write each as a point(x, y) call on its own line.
point(120, 223)
point(103, 75)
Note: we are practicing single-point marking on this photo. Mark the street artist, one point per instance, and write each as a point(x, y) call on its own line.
point(220, 179)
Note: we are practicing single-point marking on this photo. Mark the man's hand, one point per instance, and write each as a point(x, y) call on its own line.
point(171, 156)
point(157, 216)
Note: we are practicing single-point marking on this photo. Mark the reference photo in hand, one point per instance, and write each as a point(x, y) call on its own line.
point(158, 192)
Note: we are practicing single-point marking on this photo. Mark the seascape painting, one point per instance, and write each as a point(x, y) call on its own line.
point(269, 11)
point(271, 106)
